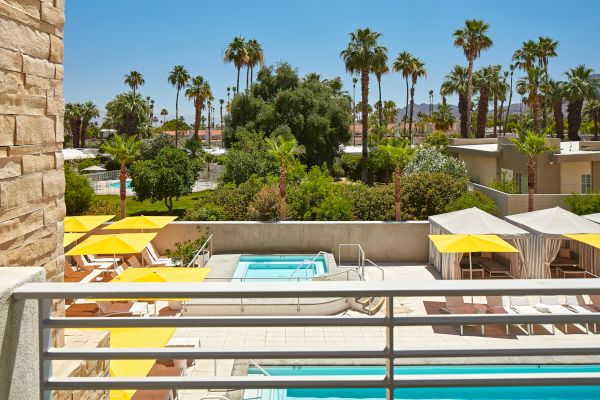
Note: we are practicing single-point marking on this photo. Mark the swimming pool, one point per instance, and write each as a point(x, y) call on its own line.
point(273, 268)
point(480, 393)
point(118, 184)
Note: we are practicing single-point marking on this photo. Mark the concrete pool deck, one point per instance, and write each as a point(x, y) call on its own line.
point(407, 337)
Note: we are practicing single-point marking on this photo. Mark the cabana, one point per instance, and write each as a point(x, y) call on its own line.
point(473, 221)
point(593, 217)
point(548, 228)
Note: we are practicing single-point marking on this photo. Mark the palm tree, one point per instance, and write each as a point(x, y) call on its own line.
point(443, 118)
point(502, 97)
point(256, 56)
point(125, 151)
point(430, 102)
point(554, 93)
point(403, 64)
point(531, 144)
point(134, 80)
point(498, 89)
point(399, 155)
point(417, 71)
point(592, 112)
point(89, 111)
point(221, 101)
point(473, 39)
point(284, 150)
point(580, 86)
point(389, 111)
point(237, 54)
point(197, 91)
point(228, 90)
point(530, 85)
point(359, 58)
point(354, 82)
point(546, 48)
point(512, 70)
point(164, 114)
point(380, 68)
point(456, 82)
point(483, 79)
point(73, 120)
point(178, 77)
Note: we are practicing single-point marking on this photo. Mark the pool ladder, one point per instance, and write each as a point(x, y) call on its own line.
point(266, 394)
point(312, 264)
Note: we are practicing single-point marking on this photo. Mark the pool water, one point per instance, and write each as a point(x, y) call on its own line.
point(273, 268)
point(480, 393)
point(118, 184)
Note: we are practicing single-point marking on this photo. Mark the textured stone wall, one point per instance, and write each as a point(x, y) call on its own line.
point(31, 134)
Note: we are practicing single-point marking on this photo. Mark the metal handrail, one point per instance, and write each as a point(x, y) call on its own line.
point(201, 250)
point(361, 254)
point(312, 263)
point(361, 276)
point(378, 267)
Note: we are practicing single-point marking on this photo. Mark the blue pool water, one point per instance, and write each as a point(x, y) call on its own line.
point(118, 184)
point(482, 393)
point(273, 268)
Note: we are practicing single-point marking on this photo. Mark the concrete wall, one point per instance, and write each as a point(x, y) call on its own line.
point(19, 336)
point(31, 134)
point(570, 175)
point(481, 169)
point(381, 241)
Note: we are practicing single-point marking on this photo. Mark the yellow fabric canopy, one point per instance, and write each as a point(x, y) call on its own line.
point(593, 239)
point(122, 243)
point(162, 274)
point(141, 222)
point(71, 237)
point(135, 338)
point(85, 223)
point(471, 243)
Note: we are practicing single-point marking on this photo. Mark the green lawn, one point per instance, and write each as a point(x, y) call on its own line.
point(135, 207)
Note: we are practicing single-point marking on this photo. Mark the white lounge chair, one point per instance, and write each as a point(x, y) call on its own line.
point(157, 257)
point(151, 259)
point(552, 305)
point(578, 305)
point(456, 305)
point(88, 266)
point(521, 305)
point(495, 305)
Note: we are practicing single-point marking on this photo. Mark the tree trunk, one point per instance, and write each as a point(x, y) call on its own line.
point(559, 126)
point(247, 78)
point(197, 119)
point(380, 103)
point(123, 189)
point(75, 126)
point(398, 193)
point(530, 182)
point(177, 118)
point(595, 127)
point(251, 77)
point(406, 108)
point(410, 118)
point(84, 126)
point(221, 115)
point(462, 110)
point(237, 85)
point(482, 111)
point(208, 129)
point(282, 192)
point(535, 110)
point(574, 119)
point(500, 113)
point(469, 96)
point(364, 83)
point(509, 101)
point(495, 113)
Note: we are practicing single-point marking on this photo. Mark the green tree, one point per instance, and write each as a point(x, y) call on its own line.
point(246, 158)
point(403, 64)
point(89, 111)
point(457, 82)
point(284, 151)
point(178, 77)
point(417, 71)
point(169, 126)
point(129, 114)
point(511, 73)
point(530, 85)
point(164, 114)
point(125, 151)
point(198, 91)
point(170, 175)
point(472, 39)
point(380, 68)
point(399, 155)
point(592, 113)
point(473, 199)
point(484, 80)
point(433, 160)
point(79, 194)
point(73, 121)
point(426, 193)
point(256, 56)
point(359, 58)
point(554, 93)
point(443, 118)
point(134, 80)
point(546, 48)
point(237, 53)
point(150, 148)
point(580, 86)
point(531, 145)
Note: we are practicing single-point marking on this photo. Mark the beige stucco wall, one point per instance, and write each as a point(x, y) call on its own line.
point(570, 175)
point(31, 134)
point(481, 169)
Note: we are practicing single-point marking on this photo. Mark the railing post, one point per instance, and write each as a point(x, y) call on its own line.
point(44, 339)
point(389, 347)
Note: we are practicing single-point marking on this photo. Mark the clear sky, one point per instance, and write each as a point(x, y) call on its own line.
point(105, 39)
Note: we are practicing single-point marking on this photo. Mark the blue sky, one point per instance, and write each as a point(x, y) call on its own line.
point(105, 39)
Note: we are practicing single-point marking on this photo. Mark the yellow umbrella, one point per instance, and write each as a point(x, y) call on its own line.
point(122, 243)
point(162, 274)
point(85, 223)
point(71, 237)
point(135, 338)
point(141, 222)
point(593, 239)
point(471, 243)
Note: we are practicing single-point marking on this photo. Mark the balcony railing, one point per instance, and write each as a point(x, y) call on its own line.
point(44, 293)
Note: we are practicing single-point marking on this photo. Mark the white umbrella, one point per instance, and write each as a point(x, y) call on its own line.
point(94, 168)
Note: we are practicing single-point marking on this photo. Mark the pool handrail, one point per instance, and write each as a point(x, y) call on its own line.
point(202, 250)
point(312, 263)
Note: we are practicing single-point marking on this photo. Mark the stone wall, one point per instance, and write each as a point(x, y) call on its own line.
point(31, 134)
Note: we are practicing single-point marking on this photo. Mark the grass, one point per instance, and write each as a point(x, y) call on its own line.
point(135, 207)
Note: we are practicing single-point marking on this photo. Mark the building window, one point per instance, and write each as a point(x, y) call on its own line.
point(586, 183)
point(520, 182)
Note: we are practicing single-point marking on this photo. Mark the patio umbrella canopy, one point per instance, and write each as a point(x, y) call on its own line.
point(141, 223)
point(94, 168)
point(85, 223)
point(162, 274)
point(71, 237)
point(122, 243)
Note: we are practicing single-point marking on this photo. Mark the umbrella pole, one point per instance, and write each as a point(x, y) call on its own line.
point(471, 272)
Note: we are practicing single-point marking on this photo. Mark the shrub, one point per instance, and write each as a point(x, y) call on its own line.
point(351, 165)
point(78, 192)
point(207, 212)
point(431, 159)
point(438, 139)
point(425, 194)
point(247, 157)
point(333, 208)
point(184, 252)
point(265, 205)
point(151, 147)
point(473, 199)
point(102, 206)
point(503, 184)
point(582, 204)
point(370, 203)
point(85, 163)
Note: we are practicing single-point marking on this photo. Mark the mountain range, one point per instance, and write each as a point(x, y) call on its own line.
point(423, 108)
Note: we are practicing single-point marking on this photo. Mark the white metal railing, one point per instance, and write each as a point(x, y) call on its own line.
point(360, 253)
point(44, 293)
point(372, 264)
point(203, 251)
point(311, 262)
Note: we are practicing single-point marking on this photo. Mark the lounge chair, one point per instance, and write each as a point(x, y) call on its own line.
point(88, 266)
point(456, 305)
point(578, 305)
point(495, 305)
point(552, 305)
point(157, 258)
point(521, 305)
point(595, 299)
point(494, 268)
point(82, 310)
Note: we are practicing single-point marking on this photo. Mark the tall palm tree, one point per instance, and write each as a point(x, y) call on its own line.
point(443, 118)
point(134, 80)
point(403, 64)
point(125, 151)
point(456, 82)
point(430, 102)
point(472, 39)
point(164, 114)
point(284, 151)
point(525, 57)
point(546, 48)
point(73, 121)
point(498, 89)
point(178, 77)
point(389, 111)
point(531, 144)
point(380, 68)
point(580, 86)
point(399, 155)
point(89, 111)
point(417, 71)
point(530, 85)
point(228, 90)
point(354, 82)
point(198, 90)
point(359, 57)
point(512, 70)
point(256, 56)
point(483, 80)
point(592, 112)
point(237, 54)
point(221, 101)
point(502, 98)
point(554, 93)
